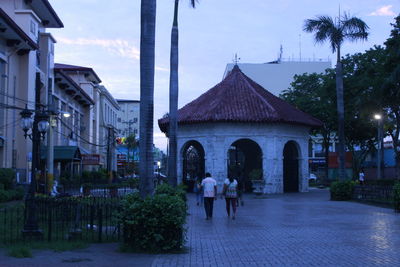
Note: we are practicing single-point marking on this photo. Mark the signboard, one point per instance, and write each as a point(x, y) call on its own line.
point(90, 159)
point(333, 160)
point(121, 159)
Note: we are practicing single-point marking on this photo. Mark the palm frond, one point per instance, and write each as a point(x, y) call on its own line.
point(325, 29)
point(354, 28)
point(193, 3)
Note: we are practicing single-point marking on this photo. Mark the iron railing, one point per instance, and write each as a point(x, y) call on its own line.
point(89, 219)
point(374, 193)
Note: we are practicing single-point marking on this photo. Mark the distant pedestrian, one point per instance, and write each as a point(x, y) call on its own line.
point(240, 190)
point(209, 186)
point(230, 192)
point(361, 177)
point(199, 192)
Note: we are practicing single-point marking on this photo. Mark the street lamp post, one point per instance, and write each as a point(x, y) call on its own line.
point(39, 125)
point(378, 118)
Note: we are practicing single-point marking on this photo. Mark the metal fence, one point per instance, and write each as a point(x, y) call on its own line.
point(374, 193)
point(88, 219)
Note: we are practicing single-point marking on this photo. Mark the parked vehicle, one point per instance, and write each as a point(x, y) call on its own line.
point(312, 177)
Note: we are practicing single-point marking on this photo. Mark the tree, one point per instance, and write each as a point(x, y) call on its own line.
point(364, 76)
point(391, 89)
point(173, 97)
point(314, 94)
point(326, 29)
point(147, 58)
point(131, 144)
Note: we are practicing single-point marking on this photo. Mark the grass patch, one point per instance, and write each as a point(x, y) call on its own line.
point(24, 250)
point(20, 251)
point(59, 246)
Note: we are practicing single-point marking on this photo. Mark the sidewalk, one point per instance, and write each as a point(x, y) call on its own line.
point(299, 229)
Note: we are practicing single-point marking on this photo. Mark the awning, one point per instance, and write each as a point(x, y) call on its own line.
point(63, 153)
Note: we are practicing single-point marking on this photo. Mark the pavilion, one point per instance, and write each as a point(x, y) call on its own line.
point(238, 127)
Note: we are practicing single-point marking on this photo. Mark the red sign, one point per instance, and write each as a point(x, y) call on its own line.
point(90, 159)
point(121, 159)
point(333, 160)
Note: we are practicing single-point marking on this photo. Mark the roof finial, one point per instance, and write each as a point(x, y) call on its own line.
point(236, 59)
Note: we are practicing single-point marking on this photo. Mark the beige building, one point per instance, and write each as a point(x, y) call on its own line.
point(109, 109)
point(128, 117)
point(26, 52)
point(77, 92)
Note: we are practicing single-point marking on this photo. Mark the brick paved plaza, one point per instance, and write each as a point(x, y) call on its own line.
point(300, 229)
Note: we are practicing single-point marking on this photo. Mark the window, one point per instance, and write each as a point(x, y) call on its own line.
point(33, 27)
point(119, 119)
point(134, 120)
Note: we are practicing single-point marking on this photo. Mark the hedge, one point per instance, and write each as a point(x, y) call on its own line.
point(342, 190)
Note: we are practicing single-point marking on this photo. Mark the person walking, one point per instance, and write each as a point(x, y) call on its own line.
point(231, 194)
point(361, 177)
point(199, 192)
point(209, 186)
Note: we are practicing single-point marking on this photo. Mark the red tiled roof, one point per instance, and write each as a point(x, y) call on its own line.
point(239, 99)
point(66, 67)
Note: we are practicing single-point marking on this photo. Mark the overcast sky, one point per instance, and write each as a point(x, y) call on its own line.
point(105, 35)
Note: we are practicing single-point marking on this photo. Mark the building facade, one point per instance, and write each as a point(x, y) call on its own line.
point(109, 109)
point(26, 53)
point(128, 120)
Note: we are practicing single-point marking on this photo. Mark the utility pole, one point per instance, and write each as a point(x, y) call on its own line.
point(50, 140)
point(31, 227)
point(109, 153)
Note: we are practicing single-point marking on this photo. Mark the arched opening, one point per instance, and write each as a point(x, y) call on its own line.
point(244, 157)
point(193, 163)
point(290, 167)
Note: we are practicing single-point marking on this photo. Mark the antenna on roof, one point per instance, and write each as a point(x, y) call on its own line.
point(300, 47)
point(236, 59)
point(280, 54)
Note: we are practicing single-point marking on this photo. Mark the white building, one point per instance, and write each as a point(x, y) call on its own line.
point(79, 94)
point(236, 128)
point(26, 55)
point(276, 76)
point(109, 109)
point(128, 117)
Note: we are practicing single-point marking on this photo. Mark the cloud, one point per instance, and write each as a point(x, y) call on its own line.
point(118, 46)
point(383, 11)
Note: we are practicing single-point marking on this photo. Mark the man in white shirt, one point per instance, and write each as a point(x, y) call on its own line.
point(209, 186)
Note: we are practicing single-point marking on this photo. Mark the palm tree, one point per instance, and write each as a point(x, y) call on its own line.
point(173, 97)
point(147, 57)
point(336, 32)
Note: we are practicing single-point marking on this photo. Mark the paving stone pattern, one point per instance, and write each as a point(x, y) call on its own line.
point(299, 229)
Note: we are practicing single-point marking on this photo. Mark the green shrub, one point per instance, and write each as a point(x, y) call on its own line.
point(133, 182)
point(7, 178)
point(2, 187)
point(179, 191)
point(396, 197)
point(256, 174)
point(20, 252)
point(17, 194)
point(155, 224)
point(383, 182)
point(4, 196)
point(342, 190)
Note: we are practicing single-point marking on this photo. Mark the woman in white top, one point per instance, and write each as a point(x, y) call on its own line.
point(230, 192)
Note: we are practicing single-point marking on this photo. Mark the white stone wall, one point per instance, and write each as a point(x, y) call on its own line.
point(216, 139)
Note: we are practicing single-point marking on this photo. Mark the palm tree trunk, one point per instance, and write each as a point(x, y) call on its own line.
point(340, 111)
point(147, 57)
point(173, 100)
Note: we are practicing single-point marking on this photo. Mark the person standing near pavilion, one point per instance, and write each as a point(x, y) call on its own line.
point(209, 186)
point(230, 192)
